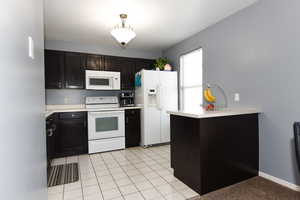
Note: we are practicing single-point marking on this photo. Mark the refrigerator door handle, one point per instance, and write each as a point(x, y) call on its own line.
point(158, 96)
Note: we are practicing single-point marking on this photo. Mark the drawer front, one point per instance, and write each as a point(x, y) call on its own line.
point(132, 112)
point(72, 115)
point(96, 146)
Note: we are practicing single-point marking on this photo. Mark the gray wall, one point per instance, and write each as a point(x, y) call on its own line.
point(23, 143)
point(73, 97)
point(256, 52)
point(100, 49)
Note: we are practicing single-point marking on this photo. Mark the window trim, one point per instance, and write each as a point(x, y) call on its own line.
point(181, 88)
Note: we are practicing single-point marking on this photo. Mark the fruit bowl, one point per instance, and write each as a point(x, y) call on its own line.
point(214, 97)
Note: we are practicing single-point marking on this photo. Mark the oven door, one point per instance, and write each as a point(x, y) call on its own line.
point(108, 124)
point(99, 83)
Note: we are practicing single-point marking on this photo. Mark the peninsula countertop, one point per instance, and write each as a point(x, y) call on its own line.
point(50, 109)
point(202, 113)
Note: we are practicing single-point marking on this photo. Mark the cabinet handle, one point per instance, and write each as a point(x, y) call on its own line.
point(50, 132)
point(126, 120)
point(54, 127)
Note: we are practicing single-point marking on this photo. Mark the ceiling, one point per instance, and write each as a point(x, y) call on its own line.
point(158, 24)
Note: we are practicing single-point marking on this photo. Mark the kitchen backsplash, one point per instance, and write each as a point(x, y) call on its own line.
point(72, 97)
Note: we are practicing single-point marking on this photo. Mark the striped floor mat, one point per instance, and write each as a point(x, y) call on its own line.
point(63, 174)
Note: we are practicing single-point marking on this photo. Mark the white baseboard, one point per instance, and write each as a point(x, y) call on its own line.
point(280, 181)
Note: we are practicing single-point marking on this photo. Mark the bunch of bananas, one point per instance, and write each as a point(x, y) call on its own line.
point(209, 96)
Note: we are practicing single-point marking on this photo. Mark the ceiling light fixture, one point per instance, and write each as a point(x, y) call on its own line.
point(122, 33)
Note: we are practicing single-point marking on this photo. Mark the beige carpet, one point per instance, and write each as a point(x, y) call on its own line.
point(253, 189)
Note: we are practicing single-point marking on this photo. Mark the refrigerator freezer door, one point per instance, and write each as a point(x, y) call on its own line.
point(165, 127)
point(151, 126)
point(168, 100)
point(150, 82)
point(150, 113)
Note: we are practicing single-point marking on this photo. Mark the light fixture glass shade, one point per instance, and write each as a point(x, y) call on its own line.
point(123, 34)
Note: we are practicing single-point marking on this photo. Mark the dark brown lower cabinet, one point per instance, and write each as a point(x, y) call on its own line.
point(71, 134)
point(212, 153)
point(51, 134)
point(132, 127)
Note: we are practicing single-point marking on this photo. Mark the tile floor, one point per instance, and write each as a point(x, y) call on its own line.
point(131, 174)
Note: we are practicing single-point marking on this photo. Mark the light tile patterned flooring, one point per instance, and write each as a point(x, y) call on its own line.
point(131, 174)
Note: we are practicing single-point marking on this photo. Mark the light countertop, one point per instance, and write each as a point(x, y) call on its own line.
point(50, 109)
point(201, 113)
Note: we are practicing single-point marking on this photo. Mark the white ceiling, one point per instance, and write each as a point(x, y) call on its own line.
point(159, 24)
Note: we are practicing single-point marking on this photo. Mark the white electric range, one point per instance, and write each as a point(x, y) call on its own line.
point(106, 124)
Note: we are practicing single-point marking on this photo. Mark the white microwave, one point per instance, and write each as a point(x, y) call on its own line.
point(102, 80)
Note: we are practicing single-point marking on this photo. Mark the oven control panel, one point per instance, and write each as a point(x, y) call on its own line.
point(102, 100)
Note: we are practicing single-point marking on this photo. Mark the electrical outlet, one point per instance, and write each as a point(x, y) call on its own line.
point(236, 97)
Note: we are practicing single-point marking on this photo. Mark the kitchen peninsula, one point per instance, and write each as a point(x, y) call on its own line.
point(214, 149)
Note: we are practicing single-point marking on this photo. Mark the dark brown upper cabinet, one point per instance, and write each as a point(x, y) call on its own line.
point(113, 63)
point(74, 72)
point(144, 64)
point(127, 74)
point(54, 69)
point(95, 62)
point(124, 65)
point(67, 69)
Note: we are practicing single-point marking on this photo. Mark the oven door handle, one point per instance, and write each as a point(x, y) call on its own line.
point(111, 84)
point(101, 113)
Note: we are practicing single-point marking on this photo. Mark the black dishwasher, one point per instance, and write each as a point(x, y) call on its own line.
point(72, 138)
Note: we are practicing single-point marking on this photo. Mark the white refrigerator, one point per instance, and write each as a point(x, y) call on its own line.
point(157, 94)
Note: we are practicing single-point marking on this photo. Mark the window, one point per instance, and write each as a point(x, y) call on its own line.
point(191, 80)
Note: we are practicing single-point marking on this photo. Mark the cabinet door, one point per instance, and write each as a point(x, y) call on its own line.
point(72, 139)
point(124, 65)
point(51, 134)
point(113, 63)
point(74, 70)
point(132, 128)
point(95, 62)
point(144, 64)
point(54, 69)
point(127, 74)
point(50, 145)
